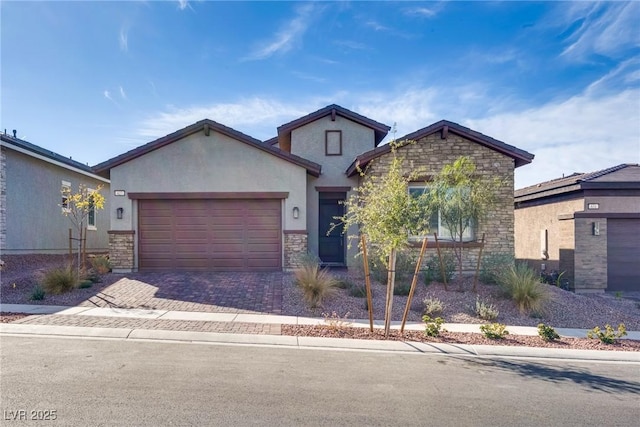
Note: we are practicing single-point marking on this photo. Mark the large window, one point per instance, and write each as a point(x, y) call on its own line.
point(91, 215)
point(436, 223)
point(65, 190)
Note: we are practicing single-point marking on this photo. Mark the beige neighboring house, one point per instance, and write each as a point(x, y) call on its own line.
point(31, 181)
point(586, 225)
point(208, 197)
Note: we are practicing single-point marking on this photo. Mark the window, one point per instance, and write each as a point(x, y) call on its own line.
point(436, 224)
point(65, 191)
point(91, 214)
point(333, 143)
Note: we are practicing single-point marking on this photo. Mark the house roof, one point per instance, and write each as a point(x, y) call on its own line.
point(49, 156)
point(577, 181)
point(521, 157)
point(380, 129)
point(207, 125)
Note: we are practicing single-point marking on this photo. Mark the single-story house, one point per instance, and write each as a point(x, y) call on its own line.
point(208, 197)
point(586, 225)
point(31, 183)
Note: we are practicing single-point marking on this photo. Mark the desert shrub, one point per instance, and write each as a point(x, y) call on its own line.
point(433, 306)
point(608, 335)
point(309, 259)
point(522, 284)
point(335, 321)
point(402, 289)
point(100, 264)
point(59, 280)
point(405, 266)
point(486, 311)
point(433, 272)
point(92, 275)
point(357, 291)
point(344, 283)
point(316, 284)
point(547, 333)
point(494, 331)
point(84, 284)
point(493, 265)
point(37, 294)
point(433, 327)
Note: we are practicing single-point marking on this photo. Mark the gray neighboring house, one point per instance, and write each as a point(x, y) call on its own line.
point(208, 197)
point(586, 225)
point(31, 181)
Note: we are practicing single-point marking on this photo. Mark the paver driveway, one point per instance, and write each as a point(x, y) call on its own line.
point(206, 291)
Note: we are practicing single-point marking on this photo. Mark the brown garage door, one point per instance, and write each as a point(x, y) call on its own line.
point(623, 249)
point(217, 235)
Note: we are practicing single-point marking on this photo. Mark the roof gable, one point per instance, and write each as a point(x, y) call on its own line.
point(521, 157)
point(380, 130)
point(49, 156)
point(206, 125)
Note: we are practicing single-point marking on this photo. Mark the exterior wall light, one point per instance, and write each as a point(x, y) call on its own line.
point(296, 212)
point(119, 213)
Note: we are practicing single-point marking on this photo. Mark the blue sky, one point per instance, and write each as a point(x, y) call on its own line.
point(94, 79)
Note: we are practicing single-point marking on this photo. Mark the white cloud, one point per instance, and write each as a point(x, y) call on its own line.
point(123, 94)
point(287, 37)
point(607, 29)
point(376, 26)
point(350, 44)
point(107, 95)
point(124, 40)
point(183, 4)
point(422, 12)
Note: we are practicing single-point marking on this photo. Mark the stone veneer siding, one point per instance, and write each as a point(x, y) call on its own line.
point(295, 246)
point(429, 154)
point(590, 256)
point(121, 250)
point(3, 198)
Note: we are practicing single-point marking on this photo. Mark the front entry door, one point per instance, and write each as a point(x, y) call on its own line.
point(331, 248)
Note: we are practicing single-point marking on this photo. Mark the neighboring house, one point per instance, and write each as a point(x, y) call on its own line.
point(586, 225)
point(208, 197)
point(31, 181)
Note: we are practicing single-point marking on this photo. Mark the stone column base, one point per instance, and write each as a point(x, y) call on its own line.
point(295, 247)
point(121, 250)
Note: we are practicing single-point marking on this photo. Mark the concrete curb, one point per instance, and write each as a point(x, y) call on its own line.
point(407, 347)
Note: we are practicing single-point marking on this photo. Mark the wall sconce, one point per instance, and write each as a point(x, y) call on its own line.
point(119, 213)
point(296, 212)
point(595, 228)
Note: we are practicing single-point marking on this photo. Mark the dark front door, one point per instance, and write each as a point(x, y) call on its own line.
point(331, 246)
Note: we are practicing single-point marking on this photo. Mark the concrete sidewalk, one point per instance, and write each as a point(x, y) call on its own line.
point(131, 330)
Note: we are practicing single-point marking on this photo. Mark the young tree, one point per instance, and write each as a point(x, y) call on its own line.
point(384, 210)
point(463, 199)
point(78, 206)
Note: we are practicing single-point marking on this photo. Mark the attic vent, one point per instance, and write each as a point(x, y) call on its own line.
point(445, 132)
point(333, 114)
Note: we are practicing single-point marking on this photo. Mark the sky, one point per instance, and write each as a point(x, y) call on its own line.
point(560, 80)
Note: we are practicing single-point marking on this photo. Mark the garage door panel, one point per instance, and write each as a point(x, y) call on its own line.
point(222, 235)
point(623, 254)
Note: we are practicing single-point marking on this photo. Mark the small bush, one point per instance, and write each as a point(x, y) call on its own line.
point(547, 333)
point(100, 264)
point(92, 275)
point(433, 272)
point(433, 306)
point(334, 321)
point(37, 294)
point(433, 327)
point(316, 284)
point(493, 265)
point(494, 331)
point(522, 284)
point(485, 310)
point(608, 335)
point(357, 291)
point(344, 283)
point(309, 259)
point(84, 284)
point(59, 280)
point(405, 266)
point(402, 289)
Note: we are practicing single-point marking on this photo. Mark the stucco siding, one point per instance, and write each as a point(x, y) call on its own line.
point(214, 163)
point(618, 204)
point(530, 223)
point(308, 141)
point(34, 220)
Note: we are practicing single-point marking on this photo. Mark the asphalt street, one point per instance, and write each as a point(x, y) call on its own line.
point(80, 382)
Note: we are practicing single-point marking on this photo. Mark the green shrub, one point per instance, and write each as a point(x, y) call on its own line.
point(493, 265)
point(84, 284)
point(100, 264)
point(316, 284)
point(92, 275)
point(402, 289)
point(433, 306)
point(485, 310)
point(433, 271)
point(405, 266)
point(547, 333)
point(494, 331)
point(344, 283)
point(37, 294)
point(59, 280)
point(433, 327)
point(522, 285)
point(357, 291)
point(608, 335)
point(309, 259)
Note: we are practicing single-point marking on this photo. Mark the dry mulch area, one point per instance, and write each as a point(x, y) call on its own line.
point(458, 338)
point(11, 317)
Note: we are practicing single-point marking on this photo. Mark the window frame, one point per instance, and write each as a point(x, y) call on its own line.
point(92, 225)
point(64, 203)
point(326, 142)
